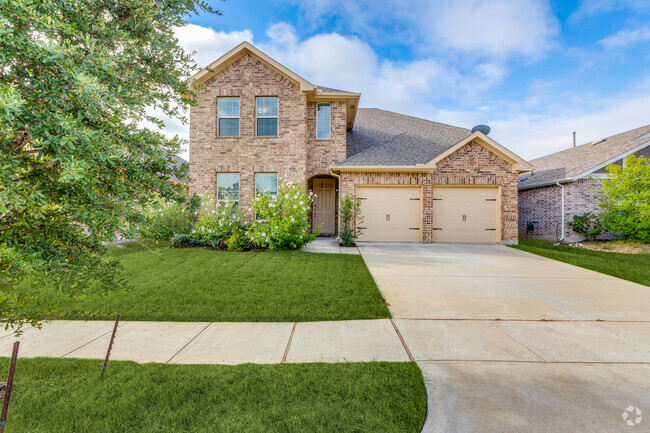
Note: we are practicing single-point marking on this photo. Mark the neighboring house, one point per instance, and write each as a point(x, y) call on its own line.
point(579, 171)
point(256, 121)
point(178, 162)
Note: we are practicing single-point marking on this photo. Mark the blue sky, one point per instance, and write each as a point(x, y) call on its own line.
point(533, 70)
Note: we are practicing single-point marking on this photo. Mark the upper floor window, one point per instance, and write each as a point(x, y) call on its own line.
point(267, 117)
point(228, 187)
point(228, 113)
point(323, 121)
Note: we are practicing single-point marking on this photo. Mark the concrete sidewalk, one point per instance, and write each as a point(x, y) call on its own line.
point(214, 343)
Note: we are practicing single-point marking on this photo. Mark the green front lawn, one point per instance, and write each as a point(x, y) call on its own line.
point(632, 267)
point(169, 284)
point(67, 395)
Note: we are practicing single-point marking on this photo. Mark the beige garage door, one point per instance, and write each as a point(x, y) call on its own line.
point(390, 213)
point(465, 215)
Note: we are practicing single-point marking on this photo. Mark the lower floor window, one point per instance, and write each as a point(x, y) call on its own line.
point(266, 183)
point(228, 187)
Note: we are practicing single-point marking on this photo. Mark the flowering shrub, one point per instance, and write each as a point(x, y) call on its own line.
point(282, 218)
point(216, 222)
point(162, 220)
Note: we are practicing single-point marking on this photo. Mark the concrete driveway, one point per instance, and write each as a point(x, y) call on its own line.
point(509, 341)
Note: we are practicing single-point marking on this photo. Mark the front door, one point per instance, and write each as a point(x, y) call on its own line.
point(325, 206)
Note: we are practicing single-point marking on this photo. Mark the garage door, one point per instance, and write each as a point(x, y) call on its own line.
point(390, 213)
point(465, 215)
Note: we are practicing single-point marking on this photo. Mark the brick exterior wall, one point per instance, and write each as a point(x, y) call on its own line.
point(544, 205)
point(470, 165)
point(294, 152)
point(321, 154)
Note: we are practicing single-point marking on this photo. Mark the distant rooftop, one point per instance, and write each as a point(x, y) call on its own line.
point(571, 163)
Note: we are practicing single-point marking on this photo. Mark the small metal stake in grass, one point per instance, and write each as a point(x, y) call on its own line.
point(7, 387)
point(110, 345)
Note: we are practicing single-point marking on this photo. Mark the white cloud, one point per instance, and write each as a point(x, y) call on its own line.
point(209, 44)
point(626, 37)
point(493, 27)
point(351, 64)
point(534, 135)
point(481, 27)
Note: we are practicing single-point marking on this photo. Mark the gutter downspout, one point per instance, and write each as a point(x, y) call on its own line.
point(338, 213)
point(562, 236)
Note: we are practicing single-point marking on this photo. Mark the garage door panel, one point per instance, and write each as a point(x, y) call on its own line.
point(390, 213)
point(465, 214)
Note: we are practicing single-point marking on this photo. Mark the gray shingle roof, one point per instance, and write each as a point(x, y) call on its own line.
point(569, 163)
point(382, 137)
point(178, 161)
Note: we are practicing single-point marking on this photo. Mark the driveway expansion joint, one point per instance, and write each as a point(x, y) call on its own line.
point(517, 341)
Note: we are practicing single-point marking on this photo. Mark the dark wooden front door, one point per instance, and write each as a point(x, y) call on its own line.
point(325, 206)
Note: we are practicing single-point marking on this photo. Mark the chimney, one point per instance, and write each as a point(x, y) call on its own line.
point(574, 139)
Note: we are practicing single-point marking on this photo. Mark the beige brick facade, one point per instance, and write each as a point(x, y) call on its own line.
point(542, 206)
point(286, 154)
point(470, 165)
point(297, 153)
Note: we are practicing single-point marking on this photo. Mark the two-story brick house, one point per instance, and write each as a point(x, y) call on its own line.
point(256, 121)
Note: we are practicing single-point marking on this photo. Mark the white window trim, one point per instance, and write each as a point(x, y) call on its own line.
point(238, 187)
point(229, 117)
point(268, 117)
point(329, 130)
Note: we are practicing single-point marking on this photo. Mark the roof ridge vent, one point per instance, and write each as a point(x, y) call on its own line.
point(595, 142)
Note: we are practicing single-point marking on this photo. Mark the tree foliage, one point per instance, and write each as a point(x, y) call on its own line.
point(78, 80)
point(626, 199)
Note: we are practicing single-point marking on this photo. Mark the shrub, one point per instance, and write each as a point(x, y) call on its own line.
point(626, 199)
point(238, 242)
point(181, 241)
point(349, 210)
point(162, 220)
point(281, 219)
point(589, 225)
point(216, 222)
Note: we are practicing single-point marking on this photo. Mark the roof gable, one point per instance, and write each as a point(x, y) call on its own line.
point(240, 50)
point(518, 163)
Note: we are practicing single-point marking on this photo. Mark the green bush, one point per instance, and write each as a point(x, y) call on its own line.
point(216, 222)
point(282, 221)
point(238, 242)
point(626, 199)
point(181, 241)
point(349, 211)
point(589, 225)
point(162, 220)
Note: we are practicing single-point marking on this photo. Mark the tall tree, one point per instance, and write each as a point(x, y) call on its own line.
point(78, 79)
